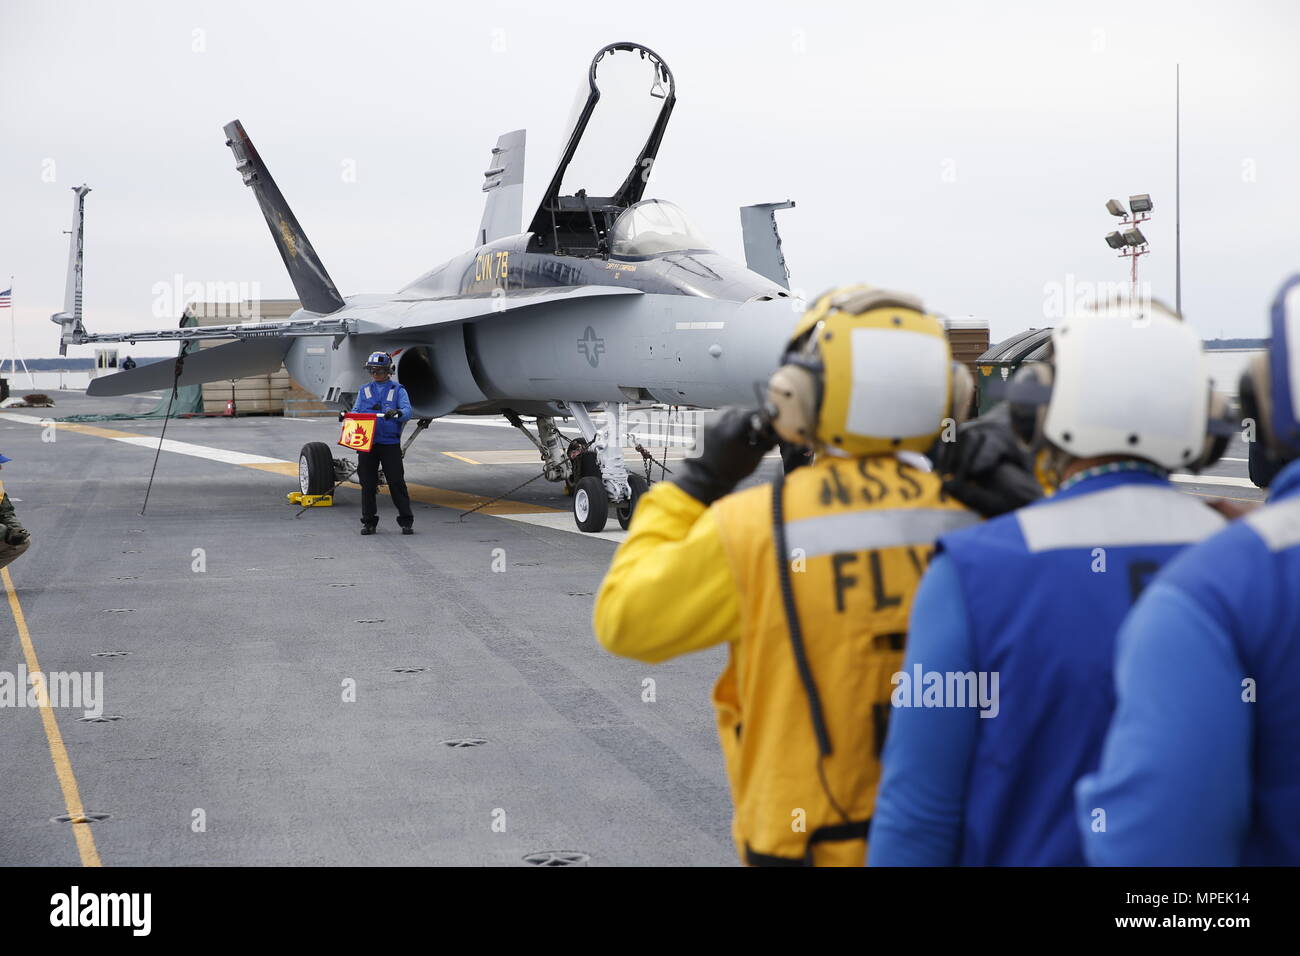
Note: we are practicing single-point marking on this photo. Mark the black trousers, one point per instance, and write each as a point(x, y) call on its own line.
point(368, 462)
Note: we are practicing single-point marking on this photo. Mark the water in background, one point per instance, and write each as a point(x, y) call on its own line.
point(42, 381)
point(1226, 366)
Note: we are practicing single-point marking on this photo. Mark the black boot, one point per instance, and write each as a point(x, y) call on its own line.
point(368, 528)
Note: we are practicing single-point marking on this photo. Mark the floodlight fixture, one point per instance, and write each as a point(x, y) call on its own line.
point(1115, 208)
point(1140, 203)
point(1133, 237)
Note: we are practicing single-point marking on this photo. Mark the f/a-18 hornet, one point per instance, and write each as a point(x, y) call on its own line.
point(605, 299)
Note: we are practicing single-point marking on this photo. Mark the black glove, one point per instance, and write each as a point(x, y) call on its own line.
point(732, 448)
point(986, 468)
point(392, 413)
point(16, 536)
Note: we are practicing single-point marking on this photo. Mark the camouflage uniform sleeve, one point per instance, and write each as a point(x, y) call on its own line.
point(7, 516)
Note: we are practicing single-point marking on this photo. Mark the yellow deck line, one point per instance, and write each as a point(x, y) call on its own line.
point(58, 752)
point(466, 460)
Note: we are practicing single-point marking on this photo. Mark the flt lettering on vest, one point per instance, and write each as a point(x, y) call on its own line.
point(864, 531)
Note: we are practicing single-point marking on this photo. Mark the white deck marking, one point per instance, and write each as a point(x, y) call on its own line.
point(202, 451)
point(179, 447)
point(563, 521)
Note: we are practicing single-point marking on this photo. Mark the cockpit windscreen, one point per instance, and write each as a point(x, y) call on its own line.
point(651, 228)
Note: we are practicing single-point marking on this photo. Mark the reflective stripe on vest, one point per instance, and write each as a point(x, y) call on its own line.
point(865, 530)
point(1278, 524)
point(1118, 517)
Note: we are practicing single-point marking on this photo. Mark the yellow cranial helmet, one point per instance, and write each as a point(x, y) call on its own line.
point(866, 371)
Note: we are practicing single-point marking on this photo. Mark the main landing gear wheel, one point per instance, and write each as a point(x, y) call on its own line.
point(315, 469)
point(625, 510)
point(590, 504)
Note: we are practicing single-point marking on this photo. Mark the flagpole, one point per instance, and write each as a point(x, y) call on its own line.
point(13, 333)
point(14, 356)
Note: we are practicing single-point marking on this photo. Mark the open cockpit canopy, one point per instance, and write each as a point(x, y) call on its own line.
point(606, 161)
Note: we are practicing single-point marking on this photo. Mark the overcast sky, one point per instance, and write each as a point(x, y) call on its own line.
point(960, 151)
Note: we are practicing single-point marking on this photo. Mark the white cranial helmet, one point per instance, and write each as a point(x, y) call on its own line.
point(1129, 379)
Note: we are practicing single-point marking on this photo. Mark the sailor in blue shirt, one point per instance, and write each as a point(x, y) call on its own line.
point(388, 400)
point(1202, 763)
point(1005, 694)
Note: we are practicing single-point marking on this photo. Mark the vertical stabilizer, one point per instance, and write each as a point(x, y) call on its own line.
point(763, 241)
point(315, 288)
point(503, 213)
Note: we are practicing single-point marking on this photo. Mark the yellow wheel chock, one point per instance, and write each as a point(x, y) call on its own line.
point(311, 501)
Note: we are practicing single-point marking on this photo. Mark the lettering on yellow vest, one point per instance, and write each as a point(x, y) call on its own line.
point(853, 604)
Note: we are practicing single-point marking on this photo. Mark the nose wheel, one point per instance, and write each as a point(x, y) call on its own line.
point(319, 471)
point(315, 469)
point(590, 504)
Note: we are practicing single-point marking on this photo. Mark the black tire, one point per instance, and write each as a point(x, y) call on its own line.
point(590, 504)
point(315, 468)
point(627, 508)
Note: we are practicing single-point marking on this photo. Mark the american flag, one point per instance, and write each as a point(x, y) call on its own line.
point(6, 297)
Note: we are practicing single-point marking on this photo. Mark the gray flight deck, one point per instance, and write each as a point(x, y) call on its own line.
point(231, 695)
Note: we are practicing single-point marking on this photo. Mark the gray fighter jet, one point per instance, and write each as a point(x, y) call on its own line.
point(606, 299)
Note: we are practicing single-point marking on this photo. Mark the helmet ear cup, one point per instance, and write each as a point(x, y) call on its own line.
point(963, 392)
point(792, 396)
point(1027, 418)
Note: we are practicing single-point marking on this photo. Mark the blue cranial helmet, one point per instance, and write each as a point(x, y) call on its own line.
point(1270, 386)
point(380, 360)
point(1284, 368)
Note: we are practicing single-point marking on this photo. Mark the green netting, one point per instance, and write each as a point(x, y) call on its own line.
point(188, 401)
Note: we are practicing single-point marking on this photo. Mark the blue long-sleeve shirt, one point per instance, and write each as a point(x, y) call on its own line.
point(379, 397)
point(918, 815)
point(1179, 730)
point(1032, 602)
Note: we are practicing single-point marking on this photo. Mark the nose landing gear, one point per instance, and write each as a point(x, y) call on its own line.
point(591, 467)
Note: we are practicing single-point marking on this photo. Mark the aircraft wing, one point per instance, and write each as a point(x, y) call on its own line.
point(423, 313)
point(260, 347)
point(249, 357)
point(368, 318)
